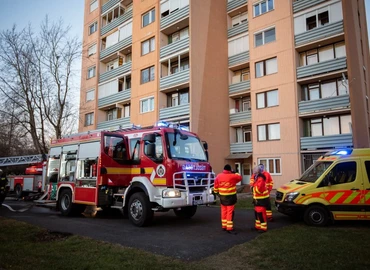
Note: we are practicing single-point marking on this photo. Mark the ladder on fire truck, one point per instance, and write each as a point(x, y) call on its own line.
point(21, 160)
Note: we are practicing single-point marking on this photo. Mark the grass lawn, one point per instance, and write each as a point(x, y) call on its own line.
point(343, 246)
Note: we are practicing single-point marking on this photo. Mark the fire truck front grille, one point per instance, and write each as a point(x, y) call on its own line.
point(193, 181)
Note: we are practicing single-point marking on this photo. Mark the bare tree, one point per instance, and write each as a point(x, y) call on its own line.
point(36, 75)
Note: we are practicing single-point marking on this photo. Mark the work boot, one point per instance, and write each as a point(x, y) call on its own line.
point(232, 232)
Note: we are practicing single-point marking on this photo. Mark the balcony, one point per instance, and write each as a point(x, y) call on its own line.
point(112, 99)
point(116, 47)
point(115, 124)
point(322, 68)
point(240, 118)
point(116, 22)
point(235, 4)
point(245, 147)
point(303, 4)
point(326, 142)
point(239, 58)
point(237, 88)
point(174, 47)
point(174, 112)
point(174, 17)
point(324, 105)
point(115, 72)
point(108, 5)
point(319, 33)
point(241, 28)
point(175, 79)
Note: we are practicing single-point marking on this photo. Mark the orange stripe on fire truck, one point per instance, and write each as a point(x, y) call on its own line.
point(111, 170)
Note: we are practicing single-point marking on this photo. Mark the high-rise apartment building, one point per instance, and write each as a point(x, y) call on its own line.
point(277, 82)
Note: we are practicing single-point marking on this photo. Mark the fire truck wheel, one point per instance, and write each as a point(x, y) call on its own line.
point(66, 207)
point(316, 215)
point(139, 209)
point(18, 191)
point(186, 212)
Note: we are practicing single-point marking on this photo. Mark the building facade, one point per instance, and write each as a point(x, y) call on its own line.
point(277, 82)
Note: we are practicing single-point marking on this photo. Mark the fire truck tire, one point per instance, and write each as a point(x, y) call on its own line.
point(18, 191)
point(139, 209)
point(316, 215)
point(65, 205)
point(186, 212)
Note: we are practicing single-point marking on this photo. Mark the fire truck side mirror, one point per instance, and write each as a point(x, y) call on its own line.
point(149, 138)
point(205, 145)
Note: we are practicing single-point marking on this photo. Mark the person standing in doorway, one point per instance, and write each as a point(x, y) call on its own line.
point(225, 187)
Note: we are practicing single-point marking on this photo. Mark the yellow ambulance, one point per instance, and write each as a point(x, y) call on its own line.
point(335, 187)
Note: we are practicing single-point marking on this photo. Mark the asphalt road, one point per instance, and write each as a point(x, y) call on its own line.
point(169, 235)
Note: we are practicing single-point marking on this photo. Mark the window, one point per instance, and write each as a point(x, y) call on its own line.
point(158, 149)
point(147, 75)
point(323, 54)
point(267, 99)
point(126, 111)
point(147, 105)
point(243, 135)
point(115, 147)
point(148, 18)
point(240, 76)
point(147, 46)
point(112, 114)
point(317, 18)
point(93, 5)
point(243, 104)
point(125, 31)
point(169, 6)
point(268, 132)
point(89, 119)
point(263, 7)
point(178, 98)
point(333, 125)
point(179, 35)
point(238, 45)
point(325, 89)
point(113, 14)
point(266, 67)
point(93, 28)
point(344, 172)
point(91, 72)
point(264, 37)
point(239, 19)
point(90, 95)
point(91, 50)
point(367, 165)
point(272, 165)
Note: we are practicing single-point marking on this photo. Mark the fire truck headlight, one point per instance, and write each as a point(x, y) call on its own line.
point(171, 193)
point(291, 196)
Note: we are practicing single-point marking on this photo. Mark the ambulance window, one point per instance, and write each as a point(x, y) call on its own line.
point(342, 173)
point(367, 165)
point(315, 171)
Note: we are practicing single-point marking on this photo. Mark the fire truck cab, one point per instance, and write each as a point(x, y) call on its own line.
point(138, 171)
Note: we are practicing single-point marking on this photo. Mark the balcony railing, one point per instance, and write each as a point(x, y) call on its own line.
point(116, 47)
point(176, 111)
point(174, 47)
point(126, 67)
point(115, 124)
point(239, 87)
point(326, 142)
point(235, 4)
point(117, 97)
point(319, 33)
point(175, 79)
point(239, 58)
point(241, 28)
point(175, 16)
point(303, 4)
point(245, 147)
point(322, 68)
point(325, 104)
point(109, 4)
point(240, 117)
point(116, 22)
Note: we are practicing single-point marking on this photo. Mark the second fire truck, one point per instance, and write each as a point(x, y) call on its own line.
point(138, 171)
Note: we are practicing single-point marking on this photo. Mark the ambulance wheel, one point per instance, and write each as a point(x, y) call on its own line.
point(186, 212)
point(139, 210)
point(316, 215)
point(65, 205)
point(18, 191)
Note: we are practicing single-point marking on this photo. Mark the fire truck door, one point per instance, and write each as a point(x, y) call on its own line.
point(153, 151)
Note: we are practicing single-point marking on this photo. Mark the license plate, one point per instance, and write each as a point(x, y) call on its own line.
point(197, 200)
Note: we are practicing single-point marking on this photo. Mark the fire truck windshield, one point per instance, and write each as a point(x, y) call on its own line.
point(186, 148)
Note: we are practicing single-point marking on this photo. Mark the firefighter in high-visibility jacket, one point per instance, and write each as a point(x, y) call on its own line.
point(3, 184)
point(269, 186)
point(225, 187)
point(260, 200)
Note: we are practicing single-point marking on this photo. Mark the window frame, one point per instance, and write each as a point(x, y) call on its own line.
point(92, 2)
point(320, 120)
point(89, 116)
point(264, 67)
point(267, 135)
point(149, 100)
point(316, 52)
point(265, 95)
point(259, 4)
point(266, 162)
point(88, 50)
point(95, 28)
point(94, 72)
point(263, 32)
point(151, 12)
point(151, 78)
point(149, 40)
point(93, 96)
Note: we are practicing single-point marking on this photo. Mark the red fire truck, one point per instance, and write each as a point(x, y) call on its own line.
point(32, 181)
point(138, 171)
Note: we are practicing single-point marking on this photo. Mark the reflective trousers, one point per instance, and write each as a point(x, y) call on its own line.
point(261, 219)
point(269, 211)
point(227, 217)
